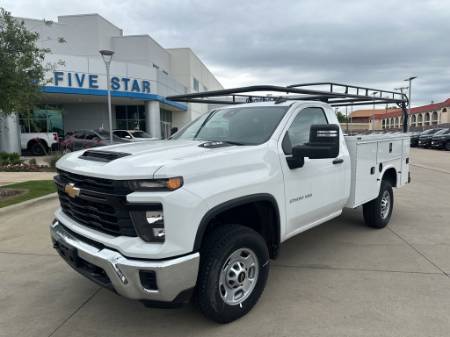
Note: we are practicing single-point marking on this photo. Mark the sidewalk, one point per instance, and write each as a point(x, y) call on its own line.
point(7, 178)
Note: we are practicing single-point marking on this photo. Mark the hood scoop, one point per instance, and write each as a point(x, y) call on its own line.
point(103, 156)
point(214, 144)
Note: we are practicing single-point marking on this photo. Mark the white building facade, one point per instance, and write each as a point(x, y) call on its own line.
point(142, 74)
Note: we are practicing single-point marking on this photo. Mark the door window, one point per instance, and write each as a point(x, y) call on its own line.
point(91, 135)
point(298, 132)
point(79, 134)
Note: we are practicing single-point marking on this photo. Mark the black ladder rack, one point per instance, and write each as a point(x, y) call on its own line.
point(335, 94)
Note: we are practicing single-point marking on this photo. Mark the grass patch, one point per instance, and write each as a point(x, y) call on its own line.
point(33, 189)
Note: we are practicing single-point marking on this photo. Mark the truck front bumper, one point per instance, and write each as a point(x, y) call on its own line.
point(148, 280)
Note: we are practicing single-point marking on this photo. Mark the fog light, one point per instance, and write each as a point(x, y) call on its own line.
point(159, 233)
point(148, 220)
point(154, 217)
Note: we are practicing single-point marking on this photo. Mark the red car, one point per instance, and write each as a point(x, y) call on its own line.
point(83, 139)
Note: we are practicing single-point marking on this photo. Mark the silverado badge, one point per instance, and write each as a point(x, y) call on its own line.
point(71, 190)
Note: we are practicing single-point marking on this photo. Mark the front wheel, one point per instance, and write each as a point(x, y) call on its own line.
point(233, 272)
point(377, 212)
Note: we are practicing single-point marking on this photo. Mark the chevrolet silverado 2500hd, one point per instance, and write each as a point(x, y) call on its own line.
point(201, 214)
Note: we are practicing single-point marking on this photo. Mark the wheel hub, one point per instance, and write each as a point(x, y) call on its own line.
point(238, 276)
point(385, 204)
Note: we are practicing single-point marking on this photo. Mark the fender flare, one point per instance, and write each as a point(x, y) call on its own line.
point(385, 169)
point(234, 203)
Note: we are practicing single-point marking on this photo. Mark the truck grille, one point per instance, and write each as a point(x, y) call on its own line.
point(101, 204)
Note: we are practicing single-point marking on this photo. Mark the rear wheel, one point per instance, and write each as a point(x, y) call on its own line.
point(233, 272)
point(377, 212)
point(447, 146)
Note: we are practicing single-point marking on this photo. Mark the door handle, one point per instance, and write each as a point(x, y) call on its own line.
point(338, 161)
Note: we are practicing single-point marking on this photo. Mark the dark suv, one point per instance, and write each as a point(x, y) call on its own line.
point(425, 137)
point(441, 139)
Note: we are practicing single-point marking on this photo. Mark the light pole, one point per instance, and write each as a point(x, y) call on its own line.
point(107, 57)
point(409, 80)
point(401, 89)
point(373, 114)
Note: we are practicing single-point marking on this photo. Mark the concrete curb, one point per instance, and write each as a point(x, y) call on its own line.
point(27, 203)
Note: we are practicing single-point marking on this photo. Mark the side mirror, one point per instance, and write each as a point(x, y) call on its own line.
point(173, 130)
point(323, 143)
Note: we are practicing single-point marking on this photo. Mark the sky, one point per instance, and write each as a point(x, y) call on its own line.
point(246, 42)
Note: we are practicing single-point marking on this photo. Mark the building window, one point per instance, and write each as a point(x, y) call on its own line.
point(130, 117)
point(42, 119)
point(196, 84)
point(166, 122)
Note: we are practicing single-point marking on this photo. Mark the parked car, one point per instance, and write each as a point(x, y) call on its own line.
point(39, 143)
point(204, 212)
point(133, 135)
point(441, 139)
point(425, 137)
point(83, 139)
point(415, 138)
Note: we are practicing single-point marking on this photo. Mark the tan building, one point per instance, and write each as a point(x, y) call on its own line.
point(365, 119)
point(421, 117)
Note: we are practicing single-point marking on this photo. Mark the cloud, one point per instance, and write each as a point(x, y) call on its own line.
point(373, 43)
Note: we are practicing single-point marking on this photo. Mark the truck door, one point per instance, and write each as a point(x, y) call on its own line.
point(318, 189)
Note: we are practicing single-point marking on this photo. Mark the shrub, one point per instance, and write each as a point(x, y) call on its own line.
point(9, 159)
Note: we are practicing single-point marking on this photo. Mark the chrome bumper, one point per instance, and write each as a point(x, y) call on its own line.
point(172, 276)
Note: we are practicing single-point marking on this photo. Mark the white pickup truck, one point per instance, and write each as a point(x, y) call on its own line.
point(38, 143)
point(200, 215)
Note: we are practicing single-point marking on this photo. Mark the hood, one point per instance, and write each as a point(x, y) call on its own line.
point(140, 160)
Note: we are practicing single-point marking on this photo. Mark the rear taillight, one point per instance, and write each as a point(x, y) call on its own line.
point(55, 136)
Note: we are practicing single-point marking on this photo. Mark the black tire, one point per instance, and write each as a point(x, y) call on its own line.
point(38, 149)
point(447, 146)
point(219, 246)
point(372, 211)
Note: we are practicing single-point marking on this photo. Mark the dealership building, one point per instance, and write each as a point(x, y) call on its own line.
point(142, 74)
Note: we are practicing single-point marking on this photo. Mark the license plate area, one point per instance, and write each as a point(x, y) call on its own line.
point(68, 253)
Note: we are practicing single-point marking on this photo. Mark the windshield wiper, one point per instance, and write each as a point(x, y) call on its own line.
point(230, 142)
point(204, 123)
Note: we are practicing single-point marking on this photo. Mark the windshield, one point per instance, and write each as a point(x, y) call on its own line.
point(441, 132)
point(430, 131)
point(104, 134)
point(240, 126)
point(140, 134)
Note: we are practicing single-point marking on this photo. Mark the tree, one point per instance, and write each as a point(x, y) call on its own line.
point(341, 117)
point(21, 66)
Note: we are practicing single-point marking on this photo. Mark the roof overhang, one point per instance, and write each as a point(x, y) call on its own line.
point(119, 95)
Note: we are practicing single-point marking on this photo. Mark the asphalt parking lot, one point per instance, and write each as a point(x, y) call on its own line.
point(339, 279)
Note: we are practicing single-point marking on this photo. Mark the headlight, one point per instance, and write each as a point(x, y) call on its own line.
point(148, 221)
point(167, 184)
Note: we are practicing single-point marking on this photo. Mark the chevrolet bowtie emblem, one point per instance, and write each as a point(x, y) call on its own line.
point(71, 190)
